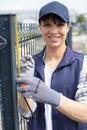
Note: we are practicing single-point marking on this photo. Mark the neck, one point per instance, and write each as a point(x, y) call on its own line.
point(54, 56)
point(55, 53)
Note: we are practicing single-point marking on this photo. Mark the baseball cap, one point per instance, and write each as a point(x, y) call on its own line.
point(55, 8)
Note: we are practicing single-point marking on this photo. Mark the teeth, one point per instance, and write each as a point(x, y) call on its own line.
point(55, 37)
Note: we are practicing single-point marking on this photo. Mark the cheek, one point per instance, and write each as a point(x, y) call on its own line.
point(65, 31)
point(44, 32)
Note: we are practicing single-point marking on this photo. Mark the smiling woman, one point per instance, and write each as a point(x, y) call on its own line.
point(54, 30)
point(60, 77)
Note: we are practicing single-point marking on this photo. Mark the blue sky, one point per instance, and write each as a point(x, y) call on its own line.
point(9, 5)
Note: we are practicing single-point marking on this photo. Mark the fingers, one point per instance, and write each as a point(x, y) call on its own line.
point(27, 62)
point(23, 79)
point(30, 64)
point(23, 59)
point(28, 58)
point(22, 89)
point(26, 91)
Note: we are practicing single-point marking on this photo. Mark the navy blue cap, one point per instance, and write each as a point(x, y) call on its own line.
point(55, 8)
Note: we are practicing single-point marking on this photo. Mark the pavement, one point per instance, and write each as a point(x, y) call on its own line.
point(79, 43)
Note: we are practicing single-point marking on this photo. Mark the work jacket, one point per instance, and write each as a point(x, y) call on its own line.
point(64, 80)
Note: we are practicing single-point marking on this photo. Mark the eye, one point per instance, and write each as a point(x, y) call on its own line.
point(46, 24)
point(60, 24)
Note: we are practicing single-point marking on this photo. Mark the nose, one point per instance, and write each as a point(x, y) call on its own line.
point(53, 29)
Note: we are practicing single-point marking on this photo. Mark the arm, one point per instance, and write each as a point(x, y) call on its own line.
point(26, 108)
point(23, 104)
point(76, 110)
point(41, 93)
point(73, 109)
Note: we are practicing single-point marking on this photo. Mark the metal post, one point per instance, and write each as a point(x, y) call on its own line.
point(8, 73)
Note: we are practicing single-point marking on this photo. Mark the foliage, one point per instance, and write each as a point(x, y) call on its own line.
point(81, 18)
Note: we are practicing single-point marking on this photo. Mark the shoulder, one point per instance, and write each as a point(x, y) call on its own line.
point(78, 55)
point(74, 54)
point(74, 57)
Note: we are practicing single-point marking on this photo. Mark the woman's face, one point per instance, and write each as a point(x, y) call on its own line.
point(53, 31)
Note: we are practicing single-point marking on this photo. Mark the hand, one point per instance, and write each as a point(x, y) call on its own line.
point(37, 90)
point(27, 66)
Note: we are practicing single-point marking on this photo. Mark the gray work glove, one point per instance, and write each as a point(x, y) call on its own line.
point(37, 90)
point(27, 66)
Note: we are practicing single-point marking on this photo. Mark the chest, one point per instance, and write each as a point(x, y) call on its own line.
point(52, 64)
point(63, 80)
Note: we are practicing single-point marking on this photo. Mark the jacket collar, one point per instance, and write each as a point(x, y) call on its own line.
point(67, 60)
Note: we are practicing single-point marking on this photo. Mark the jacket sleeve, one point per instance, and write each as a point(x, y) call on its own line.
point(81, 93)
point(26, 114)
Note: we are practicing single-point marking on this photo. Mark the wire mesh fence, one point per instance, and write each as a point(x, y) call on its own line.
point(10, 119)
point(30, 42)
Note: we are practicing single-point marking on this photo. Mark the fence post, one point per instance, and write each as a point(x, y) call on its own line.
point(8, 95)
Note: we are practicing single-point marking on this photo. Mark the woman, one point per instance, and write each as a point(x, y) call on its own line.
point(62, 99)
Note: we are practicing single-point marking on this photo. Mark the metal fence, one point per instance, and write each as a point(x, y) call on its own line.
point(10, 119)
point(28, 35)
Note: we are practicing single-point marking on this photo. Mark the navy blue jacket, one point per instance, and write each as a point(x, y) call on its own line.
point(64, 80)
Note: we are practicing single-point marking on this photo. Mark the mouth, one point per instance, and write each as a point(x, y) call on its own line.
point(54, 38)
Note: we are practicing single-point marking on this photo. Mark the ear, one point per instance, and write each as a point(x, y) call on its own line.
point(68, 27)
point(39, 26)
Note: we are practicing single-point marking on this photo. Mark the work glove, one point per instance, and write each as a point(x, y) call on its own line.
point(37, 90)
point(27, 66)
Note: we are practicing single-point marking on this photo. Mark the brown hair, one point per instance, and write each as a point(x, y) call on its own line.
point(52, 17)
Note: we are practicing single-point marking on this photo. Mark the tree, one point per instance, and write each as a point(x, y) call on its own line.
point(81, 18)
